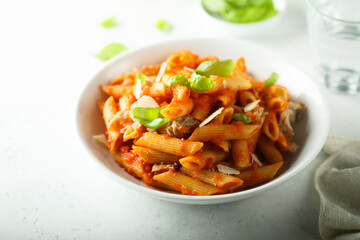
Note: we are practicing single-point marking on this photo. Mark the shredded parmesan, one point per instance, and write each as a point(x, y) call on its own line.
point(161, 72)
point(254, 158)
point(227, 170)
point(251, 106)
point(138, 89)
point(101, 139)
point(193, 74)
point(211, 117)
point(189, 69)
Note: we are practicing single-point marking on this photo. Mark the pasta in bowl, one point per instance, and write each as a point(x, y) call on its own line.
point(198, 124)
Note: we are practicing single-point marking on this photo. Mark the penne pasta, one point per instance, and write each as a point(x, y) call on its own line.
point(246, 97)
point(268, 149)
point(202, 159)
point(270, 126)
point(217, 179)
point(236, 83)
point(133, 166)
point(185, 184)
point(168, 144)
point(259, 175)
point(202, 107)
point(153, 156)
point(223, 132)
point(241, 153)
point(276, 104)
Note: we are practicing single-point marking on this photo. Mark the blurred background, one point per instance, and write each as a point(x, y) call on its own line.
point(48, 187)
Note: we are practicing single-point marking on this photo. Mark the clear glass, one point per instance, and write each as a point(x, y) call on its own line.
point(334, 29)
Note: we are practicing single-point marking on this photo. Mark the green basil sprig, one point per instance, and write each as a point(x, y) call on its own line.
point(219, 68)
point(196, 83)
point(150, 117)
point(242, 117)
point(140, 77)
point(271, 80)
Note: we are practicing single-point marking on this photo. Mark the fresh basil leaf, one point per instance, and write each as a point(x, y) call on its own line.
point(111, 51)
point(259, 2)
point(163, 25)
point(140, 77)
point(271, 80)
point(200, 83)
point(178, 80)
point(150, 117)
point(237, 3)
point(240, 11)
point(219, 68)
point(110, 22)
point(242, 117)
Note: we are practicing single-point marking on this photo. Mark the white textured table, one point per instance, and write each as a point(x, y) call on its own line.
point(49, 189)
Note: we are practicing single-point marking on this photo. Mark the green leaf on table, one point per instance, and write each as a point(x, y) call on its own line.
point(219, 68)
point(110, 51)
point(150, 117)
point(237, 3)
point(200, 83)
point(271, 80)
point(108, 23)
point(242, 117)
point(163, 25)
point(140, 77)
point(178, 80)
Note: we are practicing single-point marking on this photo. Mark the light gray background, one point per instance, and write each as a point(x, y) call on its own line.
point(49, 189)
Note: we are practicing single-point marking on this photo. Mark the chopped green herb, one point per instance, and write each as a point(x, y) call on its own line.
point(110, 51)
point(200, 83)
point(271, 80)
point(242, 117)
point(178, 80)
point(219, 68)
point(108, 23)
point(163, 25)
point(150, 117)
point(140, 77)
point(197, 83)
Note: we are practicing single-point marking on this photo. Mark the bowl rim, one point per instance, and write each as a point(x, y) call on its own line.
point(250, 24)
point(212, 199)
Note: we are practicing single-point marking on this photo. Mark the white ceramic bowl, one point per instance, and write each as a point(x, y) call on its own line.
point(310, 132)
point(243, 29)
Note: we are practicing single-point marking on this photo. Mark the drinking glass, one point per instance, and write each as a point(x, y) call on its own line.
point(334, 30)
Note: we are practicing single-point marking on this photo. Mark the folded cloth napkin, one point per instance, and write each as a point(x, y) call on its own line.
point(337, 181)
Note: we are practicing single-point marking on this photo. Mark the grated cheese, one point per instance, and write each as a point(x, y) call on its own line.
point(254, 158)
point(227, 170)
point(211, 117)
point(138, 90)
point(251, 106)
point(189, 69)
point(101, 139)
point(161, 72)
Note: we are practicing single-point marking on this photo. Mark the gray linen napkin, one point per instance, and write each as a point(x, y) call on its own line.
point(337, 181)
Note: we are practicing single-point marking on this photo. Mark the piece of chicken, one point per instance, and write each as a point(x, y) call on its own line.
point(289, 116)
point(182, 127)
